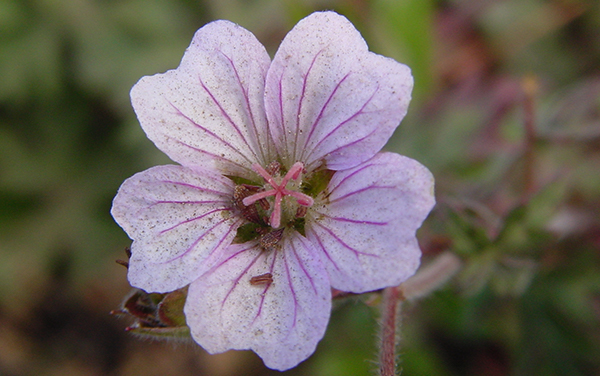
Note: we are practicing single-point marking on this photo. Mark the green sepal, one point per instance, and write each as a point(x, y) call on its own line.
point(241, 181)
point(156, 315)
point(170, 309)
point(316, 182)
point(176, 332)
point(247, 232)
point(298, 225)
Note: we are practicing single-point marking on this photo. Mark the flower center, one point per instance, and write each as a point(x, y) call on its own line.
point(279, 191)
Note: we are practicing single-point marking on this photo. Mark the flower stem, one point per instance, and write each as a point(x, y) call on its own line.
point(390, 309)
point(428, 279)
point(530, 87)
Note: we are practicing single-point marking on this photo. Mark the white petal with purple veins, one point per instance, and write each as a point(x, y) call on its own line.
point(282, 321)
point(328, 97)
point(176, 216)
point(327, 100)
point(209, 111)
point(366, 227)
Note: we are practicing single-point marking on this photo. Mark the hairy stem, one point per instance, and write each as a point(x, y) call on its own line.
point(390, 310)
point(530, 91)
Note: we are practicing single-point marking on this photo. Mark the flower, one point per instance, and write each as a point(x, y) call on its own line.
point(282, 192)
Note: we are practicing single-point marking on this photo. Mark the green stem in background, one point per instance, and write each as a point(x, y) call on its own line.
point(431, 276)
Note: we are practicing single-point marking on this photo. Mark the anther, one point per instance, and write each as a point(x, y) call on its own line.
point(263, 279)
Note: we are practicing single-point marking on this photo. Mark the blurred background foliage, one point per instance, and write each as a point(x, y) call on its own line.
point(506, 113)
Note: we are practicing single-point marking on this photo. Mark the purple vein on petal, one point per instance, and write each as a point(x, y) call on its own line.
point(228, 259)
point(316, 163)
point(263, 295)
point(340, 125)
point(211, 133)
point(325, 250)
point(202, 236)
point(237, 280)
point(302, 266)
point(247, 101)
point(281, 112)
point(302, 97)
point(193, 187)
point(342, 219)
point(208, 153)
point(349, 144)
point(292, 290)
point(191, 220)
point(226, 115)
point(189, 202)
point(347, 177)
point(320, 116)
point(363, 190)
point(337, 238)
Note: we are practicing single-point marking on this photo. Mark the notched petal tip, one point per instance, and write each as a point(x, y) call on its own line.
point(209, 111)
point(274, 303)
point(328, 98)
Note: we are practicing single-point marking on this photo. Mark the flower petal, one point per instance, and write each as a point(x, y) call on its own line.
point(209, 111)
point(328, 97)
point(281, 321)
point(366, 229)
point(176, 217)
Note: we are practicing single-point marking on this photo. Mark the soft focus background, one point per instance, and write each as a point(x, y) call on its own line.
point(506, 113)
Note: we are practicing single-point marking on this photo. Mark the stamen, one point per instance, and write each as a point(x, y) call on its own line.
point(264, 204)
point(273, 168)
point(301, 211)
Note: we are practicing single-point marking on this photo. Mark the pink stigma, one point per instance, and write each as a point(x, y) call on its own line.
point(279, 191)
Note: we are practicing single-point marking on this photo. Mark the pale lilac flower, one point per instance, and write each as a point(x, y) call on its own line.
point(282, 192)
